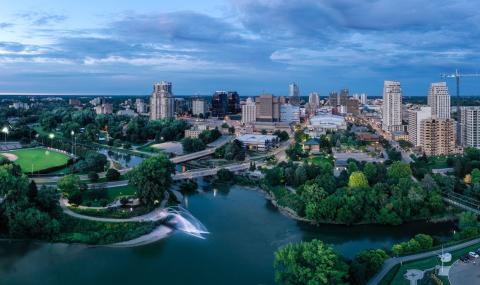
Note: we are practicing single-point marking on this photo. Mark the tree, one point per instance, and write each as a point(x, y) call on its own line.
point(225, 175)
point(112, 174)
point(357, 180)
point(370, 171)
point(282, 135)
point(366, 264)
point(152, 178)
point(309, 263)
point(192, 145)
point(475, 176)
point(399, 170)
point(32, 223)
point(47, 201)
point(93, 176)
point(72, 188)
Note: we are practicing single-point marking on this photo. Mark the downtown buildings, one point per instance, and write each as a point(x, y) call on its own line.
point(392, 106)
point(469, 126)
point(162, 102)
point(437, 136)
point(225, 103)
point(439, 100)
point(294, 94)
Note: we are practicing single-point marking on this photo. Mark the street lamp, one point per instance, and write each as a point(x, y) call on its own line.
point(51, 136)
point(5, 131)
point(72, 134)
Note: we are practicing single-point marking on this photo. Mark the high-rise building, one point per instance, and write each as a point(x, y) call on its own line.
point(469, 121)
point(437, 136)
point(343, 98)
point(225, 103)
point(439, 100)
point(233, 100)
point(294, 94)
point(392, 106)
point(104, 109)
point(314, 100)
point(182, 106)
point(353, 106)
point(219, 104)
point(162, 102)
point(363, 99)
point(415, 117)
point(333, 99)
point(268, 108)
point(249, 111)
point(199, 106)
point(289, 113)
point(141, 106)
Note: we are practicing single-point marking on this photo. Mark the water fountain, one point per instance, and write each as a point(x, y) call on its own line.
point(181, 219)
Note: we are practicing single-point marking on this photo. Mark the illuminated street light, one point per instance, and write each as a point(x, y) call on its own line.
point(51, 136)
point(5, 131)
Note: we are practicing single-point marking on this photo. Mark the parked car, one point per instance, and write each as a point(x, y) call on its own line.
point(477, 251)
point(464, 259)
point(473, 254)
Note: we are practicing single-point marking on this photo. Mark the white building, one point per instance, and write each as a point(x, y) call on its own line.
point(162, 102)
point(415, 118)
point(104, 109)
point(127, 112)
point(249, 111)
point(141, 106)
point(294, 94)
point(259, 142)
point(439, 100)
point(469, 126)
point(392, 106)
point(324, 122)
point(289, 113)
point(199, 106)
point(363, 99)
point(314, 100)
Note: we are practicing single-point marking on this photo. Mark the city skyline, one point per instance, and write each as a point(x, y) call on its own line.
point(253, 47)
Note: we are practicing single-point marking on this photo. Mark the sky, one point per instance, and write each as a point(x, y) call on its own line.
point(251, 46)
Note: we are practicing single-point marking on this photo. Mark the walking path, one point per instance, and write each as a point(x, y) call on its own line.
point(391, 262)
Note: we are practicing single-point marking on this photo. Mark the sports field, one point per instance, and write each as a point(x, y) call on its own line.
point(36, 159)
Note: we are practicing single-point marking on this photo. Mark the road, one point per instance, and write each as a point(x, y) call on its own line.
point(391, 262)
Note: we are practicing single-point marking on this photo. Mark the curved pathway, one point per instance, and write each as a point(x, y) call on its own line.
point(391, 262)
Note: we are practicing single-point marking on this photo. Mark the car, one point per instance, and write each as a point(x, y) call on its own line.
point(464, 259)
point(477, 251)
point(473, 254)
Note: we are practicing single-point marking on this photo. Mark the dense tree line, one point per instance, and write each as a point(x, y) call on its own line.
point(314, 262)
point(197, 144)
point(231, 151)
point(364, 193)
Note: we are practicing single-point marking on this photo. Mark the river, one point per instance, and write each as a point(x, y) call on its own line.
point(245, 230)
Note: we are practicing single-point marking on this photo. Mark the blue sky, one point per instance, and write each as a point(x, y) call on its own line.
point(122, 47)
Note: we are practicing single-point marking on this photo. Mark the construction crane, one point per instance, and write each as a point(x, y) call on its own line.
point(457, 76)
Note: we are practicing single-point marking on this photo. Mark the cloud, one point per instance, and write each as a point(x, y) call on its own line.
point(42, 18)
point(5, 25)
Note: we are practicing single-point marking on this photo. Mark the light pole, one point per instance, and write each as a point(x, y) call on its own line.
point(5, 131)
point(51, 136)
point(72, 134)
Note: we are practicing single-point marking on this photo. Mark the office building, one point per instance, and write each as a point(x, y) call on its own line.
point(439, 100)
point(182, 106)
point(249, 111)
point(199, 106)
point(469, 121)
point(437, 136)
point(104, 109)
point(294, 94)
point(289, 113)
point(363, 99)
point(141, 106)
point(259, 142)
point(225, 103)
point(343, 98)
point(353, 106)
point(162, 102)
point(415, 117)
point(333, 99)
point(268, 108)
point(392, 106)
point(314, 100)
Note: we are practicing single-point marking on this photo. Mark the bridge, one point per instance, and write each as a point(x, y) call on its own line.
point(209, 151)
point(210, 171)
point(461, 201)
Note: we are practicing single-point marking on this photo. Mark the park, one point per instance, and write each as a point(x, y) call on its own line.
point(34, 160)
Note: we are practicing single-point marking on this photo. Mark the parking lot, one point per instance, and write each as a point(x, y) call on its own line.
point(466, 270)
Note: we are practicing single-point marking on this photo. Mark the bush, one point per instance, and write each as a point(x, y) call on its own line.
point(420, 242)
point(112, 175)
point(93, 176)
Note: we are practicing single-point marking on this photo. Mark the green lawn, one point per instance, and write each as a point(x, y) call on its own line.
point(102, 197)
point(38, 159)
point(427, 263)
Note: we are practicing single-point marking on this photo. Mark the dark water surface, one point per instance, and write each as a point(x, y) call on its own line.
point(245, 231)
